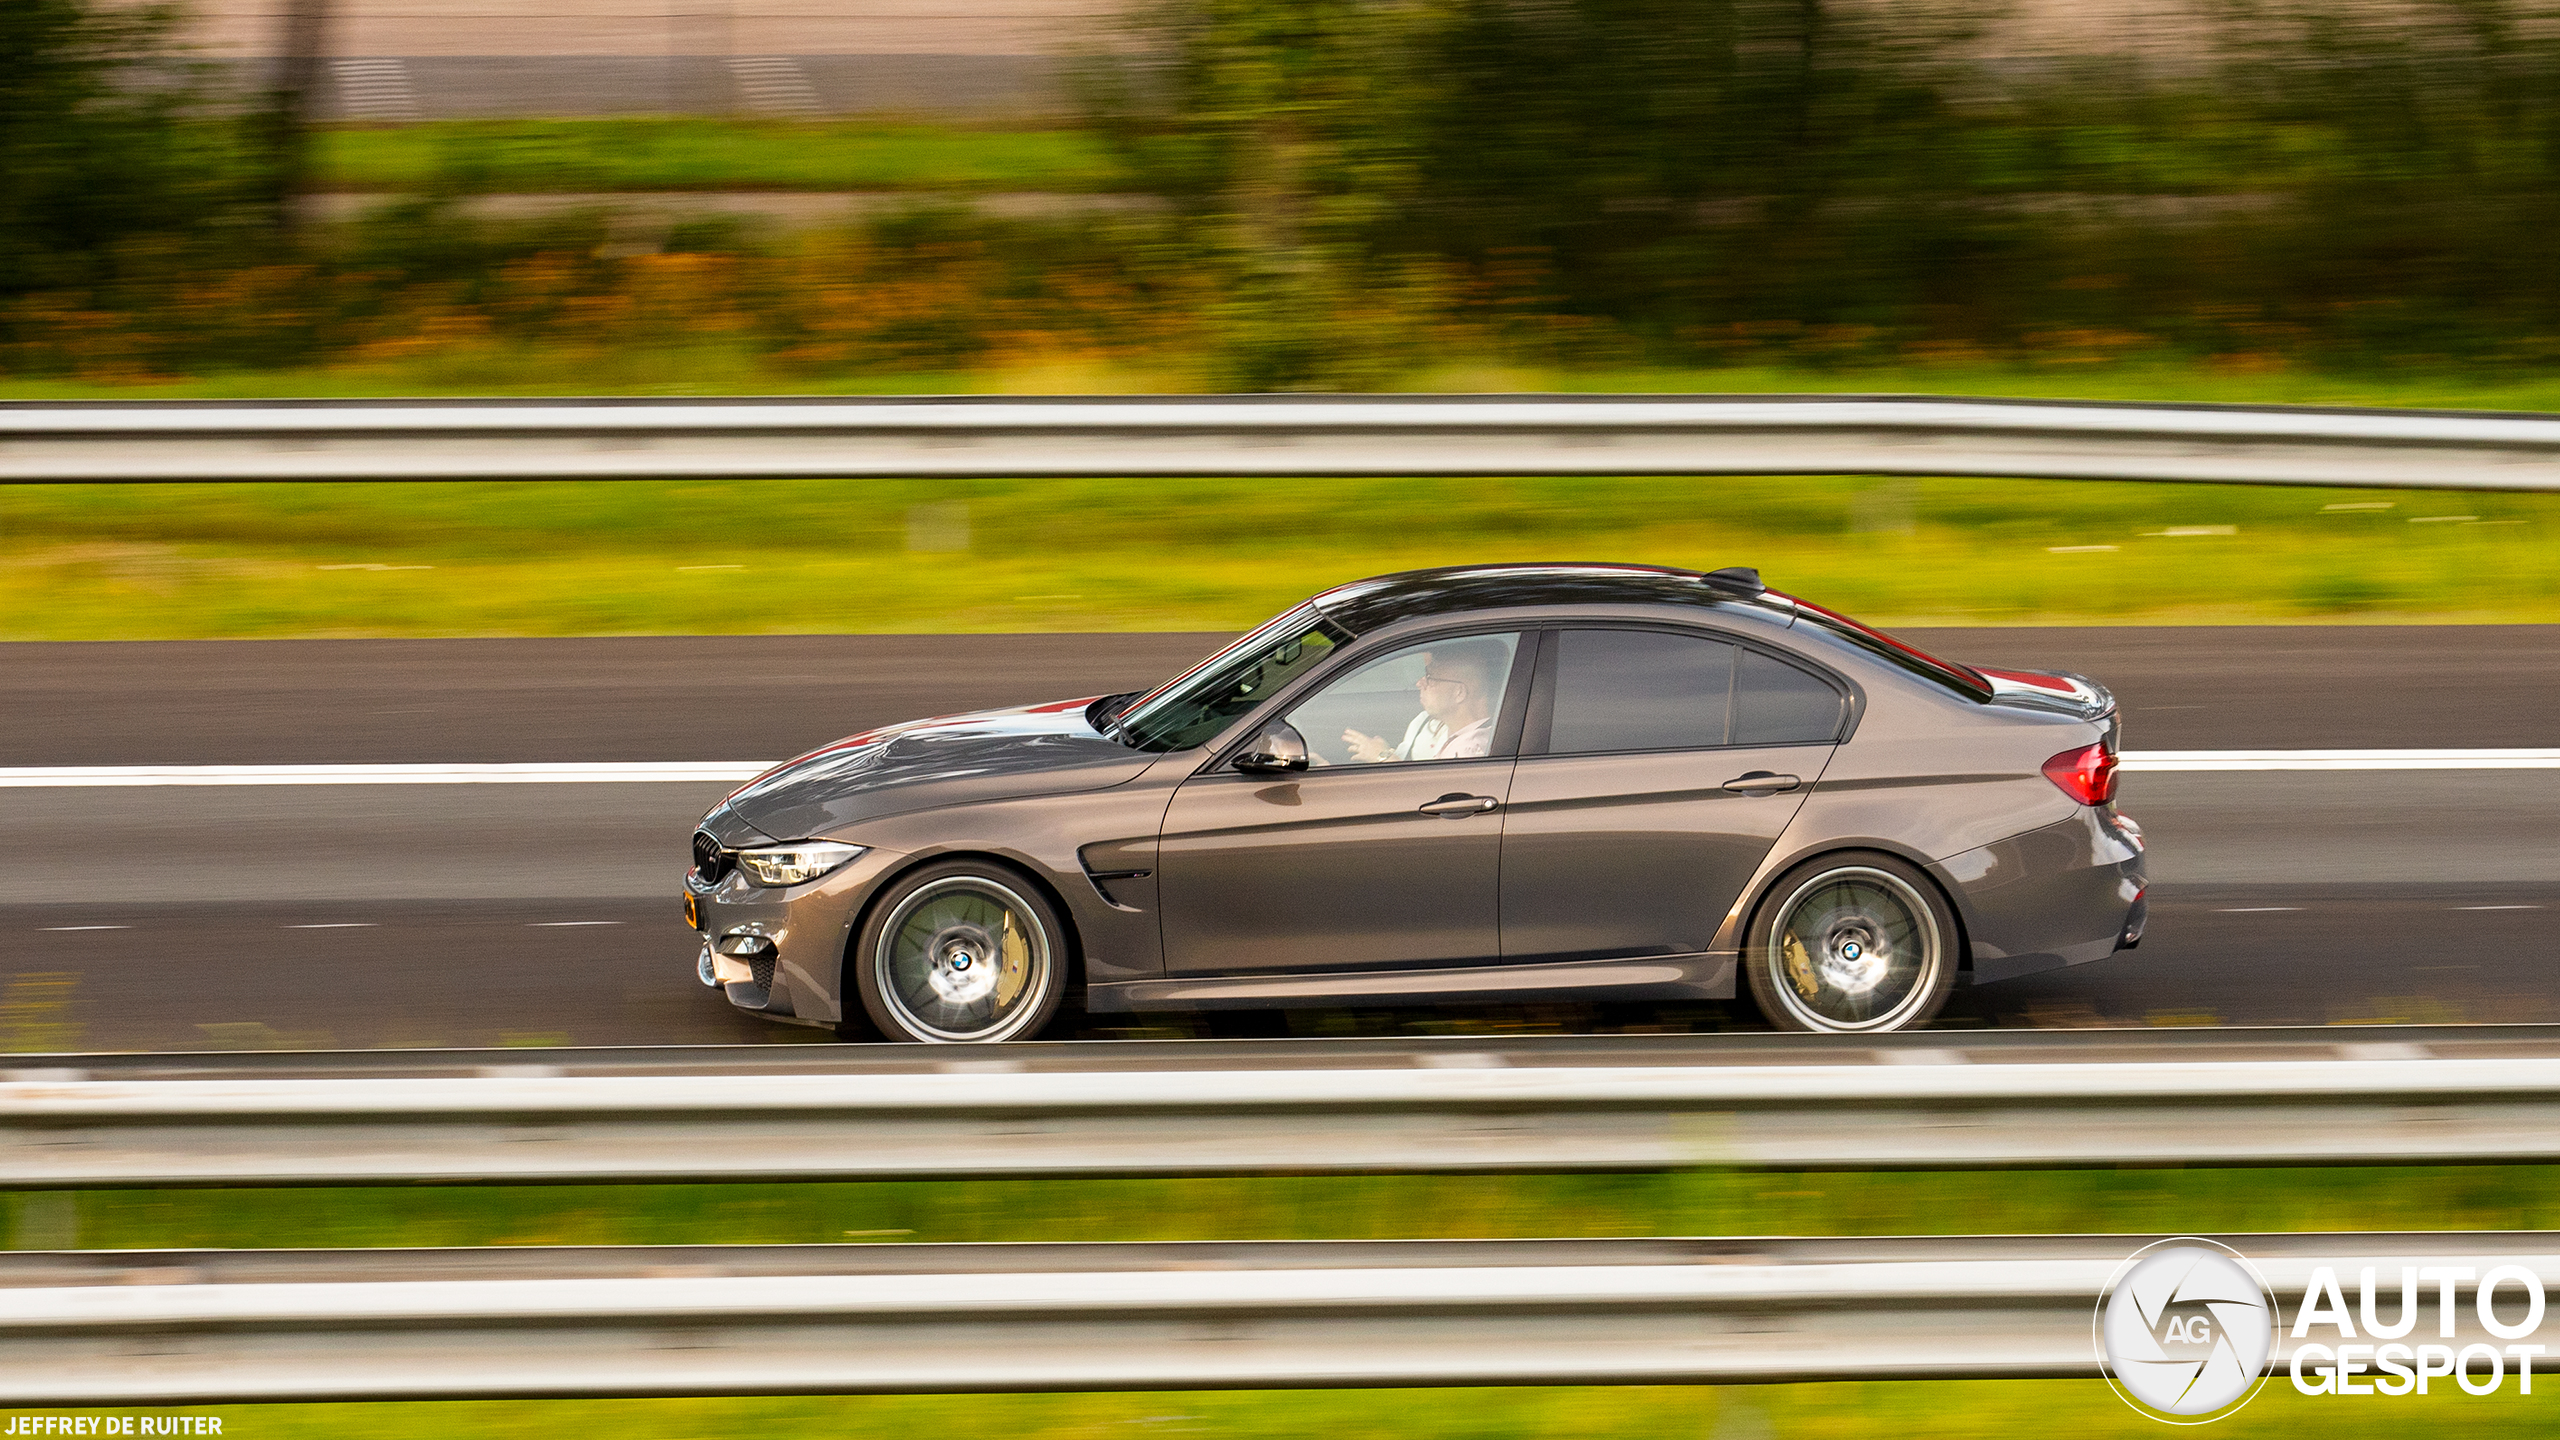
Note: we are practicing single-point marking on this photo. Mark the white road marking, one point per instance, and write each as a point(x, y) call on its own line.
point(2260, 910)
point(567, 924)
point(2485, 759)
point(624, 772)
point(336, 925)
point(2497, 907)
point(66, 929)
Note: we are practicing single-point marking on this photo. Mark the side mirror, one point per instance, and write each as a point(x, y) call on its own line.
point(1280, 750)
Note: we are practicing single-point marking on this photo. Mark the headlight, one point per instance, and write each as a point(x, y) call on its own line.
point(795, 864)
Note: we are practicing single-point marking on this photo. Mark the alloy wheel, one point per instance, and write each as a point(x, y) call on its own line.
point(964, 959)
point(1855, 949)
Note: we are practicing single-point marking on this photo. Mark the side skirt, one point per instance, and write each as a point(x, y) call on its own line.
point(1649, 977)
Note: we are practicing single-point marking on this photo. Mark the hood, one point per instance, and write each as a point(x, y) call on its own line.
point(2059, 691)
point(954, 760)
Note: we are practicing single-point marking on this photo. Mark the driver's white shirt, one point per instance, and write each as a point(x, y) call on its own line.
point(1428, 739)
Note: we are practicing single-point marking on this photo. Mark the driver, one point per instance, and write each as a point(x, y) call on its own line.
point(1458, 690)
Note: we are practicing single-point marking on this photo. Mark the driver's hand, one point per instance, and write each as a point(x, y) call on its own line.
point(1368, 747)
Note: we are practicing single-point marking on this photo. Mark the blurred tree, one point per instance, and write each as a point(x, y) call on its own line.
point(1623, 159)
point(1283, 133)
point(2430, 219)
point(104, 145)
point(294, 104)
point(1643, 146)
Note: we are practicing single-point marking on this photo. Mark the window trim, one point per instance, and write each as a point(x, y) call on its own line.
point(1361, 651)
point(1540, 724)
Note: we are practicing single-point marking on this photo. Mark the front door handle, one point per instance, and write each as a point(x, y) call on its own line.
point(1459, 807)
point(1761, 782)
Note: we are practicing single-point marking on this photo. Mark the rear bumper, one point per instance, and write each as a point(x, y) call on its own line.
point(2067, 894)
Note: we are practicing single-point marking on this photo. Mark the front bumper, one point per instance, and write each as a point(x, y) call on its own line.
point(779, 951)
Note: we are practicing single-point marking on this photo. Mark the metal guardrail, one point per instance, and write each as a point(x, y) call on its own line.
point(149, 1328)
point(1896, 1107)
point(1276, 436)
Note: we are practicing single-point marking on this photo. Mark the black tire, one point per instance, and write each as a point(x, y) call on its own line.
point(1856, 943)
point(964, 952)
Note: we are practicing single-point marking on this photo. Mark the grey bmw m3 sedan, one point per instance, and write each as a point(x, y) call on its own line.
point(1490, 783)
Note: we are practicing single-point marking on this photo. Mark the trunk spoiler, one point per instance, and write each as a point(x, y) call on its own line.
point(2058, 691)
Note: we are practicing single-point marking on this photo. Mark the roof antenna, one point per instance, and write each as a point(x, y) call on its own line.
point(1737, 577)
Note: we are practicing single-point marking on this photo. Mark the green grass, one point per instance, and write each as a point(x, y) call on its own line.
point(1403, 1207)
point(684, 152)
point(1707, 1202)
point(694, 153)
point(699, 557)
point(819, 556)
point(1916, 1410)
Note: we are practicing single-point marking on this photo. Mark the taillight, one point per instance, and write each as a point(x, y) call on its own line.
point(2087, 774)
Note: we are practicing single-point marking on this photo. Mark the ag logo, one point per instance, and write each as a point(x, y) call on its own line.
point(2184, 1330)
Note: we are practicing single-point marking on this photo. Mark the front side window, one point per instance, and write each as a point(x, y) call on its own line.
point(1193, 708)
point(1436, 701)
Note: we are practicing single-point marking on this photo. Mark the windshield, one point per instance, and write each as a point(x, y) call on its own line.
point(1193, 707)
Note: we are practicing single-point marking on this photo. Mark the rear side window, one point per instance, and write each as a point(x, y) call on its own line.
point(1774, 703)
point(1640, 690)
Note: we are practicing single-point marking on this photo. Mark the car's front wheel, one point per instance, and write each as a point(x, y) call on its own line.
point(962, 952)
point(1853, 944)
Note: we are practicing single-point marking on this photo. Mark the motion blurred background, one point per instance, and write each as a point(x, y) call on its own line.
point(2344, 203)
point(2140, 200)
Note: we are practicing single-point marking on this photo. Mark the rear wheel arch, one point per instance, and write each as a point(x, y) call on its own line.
point(1784, 880)
point(1887, 848)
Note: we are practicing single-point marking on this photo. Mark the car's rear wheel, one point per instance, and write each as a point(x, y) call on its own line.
point(1851, 944)
point(961, 953)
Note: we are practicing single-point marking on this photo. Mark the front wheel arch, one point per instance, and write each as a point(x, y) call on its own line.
point(857, 1023)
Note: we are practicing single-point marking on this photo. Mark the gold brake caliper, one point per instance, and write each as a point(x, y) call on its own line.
point(1799, 966)
point(1015, 970)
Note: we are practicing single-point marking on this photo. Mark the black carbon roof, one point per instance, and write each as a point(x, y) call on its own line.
point(1365, 605)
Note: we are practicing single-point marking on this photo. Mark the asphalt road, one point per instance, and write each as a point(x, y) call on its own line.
point(488, 915)
point(243, 702)
point(264, 975)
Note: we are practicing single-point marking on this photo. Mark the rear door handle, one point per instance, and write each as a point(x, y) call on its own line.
point(1761, 782)
point(1459, 807)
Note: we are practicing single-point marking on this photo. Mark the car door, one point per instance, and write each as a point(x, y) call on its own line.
point(1384, 852)
point(1659, 767)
